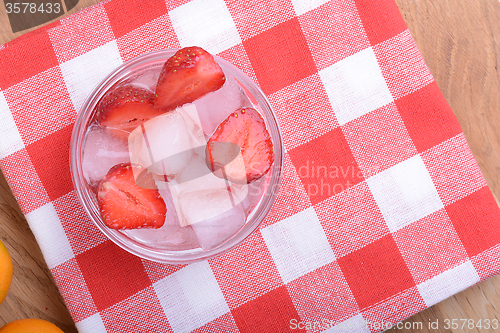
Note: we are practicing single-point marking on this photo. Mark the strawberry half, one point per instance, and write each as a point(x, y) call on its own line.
point(186, 76)
point(125, 108)
point(125, 205)
point(246, 129)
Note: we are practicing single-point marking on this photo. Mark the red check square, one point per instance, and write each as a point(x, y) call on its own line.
point(87, 29)
point(402, 65)
point(106, 263)
point(48, 101)
point(292, 197)
point(376, 272)
point(72, 286)
point(379, 140)
point(428, 117)
point(142, 309)
point(269, 313)
point(18, 60)
point(326, 166)
point(252, 18)
point(453, 169)
point(381, 19)
point(430, 246)
point(349, 227)
point(318, 292)
point(476, 219)
point(122, 22)
point(303, 111)
point(24, 181)
point(337, 37)
point(151, 36)
point(82, 235)
point(251, 261)
point(50, 157)
point(277, 61)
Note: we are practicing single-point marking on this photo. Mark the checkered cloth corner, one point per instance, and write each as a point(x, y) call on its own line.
point(382, 212)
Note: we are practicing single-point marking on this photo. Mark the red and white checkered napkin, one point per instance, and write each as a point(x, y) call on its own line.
point(383, 210)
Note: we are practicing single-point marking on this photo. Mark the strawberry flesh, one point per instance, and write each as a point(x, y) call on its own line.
point(125, 205)
point(246, 129)
point(125, 108)
point(186, 76)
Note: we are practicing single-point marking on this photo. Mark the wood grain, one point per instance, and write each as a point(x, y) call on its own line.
point(6, 34)
point(460, 41)
point(33, 293)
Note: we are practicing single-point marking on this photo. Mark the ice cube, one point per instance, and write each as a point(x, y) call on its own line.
point(202, 205)
point(212, 214)
point(215, 231)
point(163, 144)
point(169, 234)
point(190, 114)
point(147, 78)
point(173, 192)
point(196, 168)
point(216, 106)
point(101, 152)
point(254, 192)
point(198, 177)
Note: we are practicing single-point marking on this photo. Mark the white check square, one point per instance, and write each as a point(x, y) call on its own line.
point(83, 73)
point(191, 297)
point(448, 283)
point(355, 86)
point(205, 23)
point(92, 324)
point(11, 139)
point(298, 245)
point(303, 6)
point(405, 193)
point(50, 235)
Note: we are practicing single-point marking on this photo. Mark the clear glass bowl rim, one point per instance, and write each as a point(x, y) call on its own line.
point(87, 197)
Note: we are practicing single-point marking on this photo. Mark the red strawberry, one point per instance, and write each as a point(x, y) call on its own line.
point(125, 108)
point(186, 76)
point(246, 129)
point(125, 205)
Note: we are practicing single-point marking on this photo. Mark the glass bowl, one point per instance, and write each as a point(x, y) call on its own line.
point(136, 69)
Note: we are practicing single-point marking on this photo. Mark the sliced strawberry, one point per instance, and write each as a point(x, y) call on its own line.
point(125, 108)
point(244, 128)
point(125, 205)
point(186, 76)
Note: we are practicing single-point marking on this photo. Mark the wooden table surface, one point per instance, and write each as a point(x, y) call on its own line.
point(459, 40)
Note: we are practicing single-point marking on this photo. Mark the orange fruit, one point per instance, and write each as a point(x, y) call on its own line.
point(30, 326)
point(5, 271)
